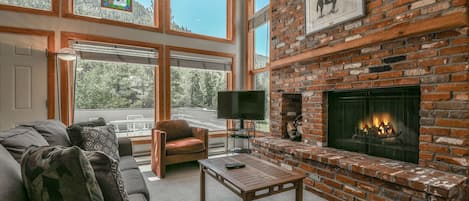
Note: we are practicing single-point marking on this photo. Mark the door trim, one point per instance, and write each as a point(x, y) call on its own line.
point(50, 61)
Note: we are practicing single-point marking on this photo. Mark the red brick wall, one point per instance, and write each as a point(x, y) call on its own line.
point(437, 62)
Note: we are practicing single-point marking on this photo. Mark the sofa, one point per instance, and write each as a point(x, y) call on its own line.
point(10, 170)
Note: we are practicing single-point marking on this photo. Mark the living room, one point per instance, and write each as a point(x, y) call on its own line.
point(234, 100)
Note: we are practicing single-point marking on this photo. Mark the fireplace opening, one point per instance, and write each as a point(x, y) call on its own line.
point(378, 122)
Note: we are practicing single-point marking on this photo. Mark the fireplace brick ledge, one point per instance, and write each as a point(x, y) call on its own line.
point(430, 181)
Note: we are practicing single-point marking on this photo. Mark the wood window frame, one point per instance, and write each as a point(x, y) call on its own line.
point(53, 12)
point(250, 51)
point(230, 76)
point(230, 24)
point(67, 12)
point(67, 99)
point(50, 61)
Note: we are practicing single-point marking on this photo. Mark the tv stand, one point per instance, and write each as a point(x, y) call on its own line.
point(239, 133)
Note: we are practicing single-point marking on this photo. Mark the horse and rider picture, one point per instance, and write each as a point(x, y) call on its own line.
point(321, 14)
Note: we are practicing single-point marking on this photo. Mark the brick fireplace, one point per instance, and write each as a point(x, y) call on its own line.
point(392, 46)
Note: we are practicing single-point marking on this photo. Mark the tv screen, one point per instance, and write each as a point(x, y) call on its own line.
point(247, 105)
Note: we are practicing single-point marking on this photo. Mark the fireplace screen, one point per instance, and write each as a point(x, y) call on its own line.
point(379, 122)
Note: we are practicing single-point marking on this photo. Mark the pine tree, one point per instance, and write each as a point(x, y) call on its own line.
point(210, 91)
point(196, 92)
point(177, 88)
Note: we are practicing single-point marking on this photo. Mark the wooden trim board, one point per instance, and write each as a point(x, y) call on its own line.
point(398, 31)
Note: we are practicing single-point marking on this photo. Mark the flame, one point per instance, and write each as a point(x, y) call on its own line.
point(381, 124)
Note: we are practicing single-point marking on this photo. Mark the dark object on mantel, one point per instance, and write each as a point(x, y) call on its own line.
point(379, 69)
point(394, 59)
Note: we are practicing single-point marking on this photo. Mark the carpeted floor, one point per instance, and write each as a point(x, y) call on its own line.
point(182, 184)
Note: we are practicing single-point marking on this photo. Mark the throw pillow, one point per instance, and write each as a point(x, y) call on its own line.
point(53, 131)
point(101, 138)
point(108, 176)
point(59, 173)
point(17, 140)
point(75, 130)
point(12, 188)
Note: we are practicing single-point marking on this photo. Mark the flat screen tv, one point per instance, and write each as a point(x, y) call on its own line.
point(243, 105)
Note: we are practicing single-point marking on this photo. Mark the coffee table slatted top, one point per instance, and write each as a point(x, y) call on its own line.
point(256, 175)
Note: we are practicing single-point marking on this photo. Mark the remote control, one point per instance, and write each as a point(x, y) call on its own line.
point(234, 165)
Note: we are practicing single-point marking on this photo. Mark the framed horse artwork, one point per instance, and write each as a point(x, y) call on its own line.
point(321, 14)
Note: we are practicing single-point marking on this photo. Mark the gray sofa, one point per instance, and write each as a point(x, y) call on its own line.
point(12, 189)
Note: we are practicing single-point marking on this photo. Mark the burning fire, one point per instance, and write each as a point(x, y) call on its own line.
point(379, 125)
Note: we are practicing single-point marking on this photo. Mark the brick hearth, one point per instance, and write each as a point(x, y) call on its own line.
point(436, 60)
point(336, 174)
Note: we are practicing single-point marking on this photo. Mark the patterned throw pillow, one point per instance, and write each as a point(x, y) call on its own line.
point(108, 176)
point(59, 173)
point(101, 138)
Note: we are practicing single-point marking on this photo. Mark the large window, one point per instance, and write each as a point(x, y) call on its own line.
point(259, 54)
point(207, 18)
point(117, 84)
point(143, 13)
point(195, 82)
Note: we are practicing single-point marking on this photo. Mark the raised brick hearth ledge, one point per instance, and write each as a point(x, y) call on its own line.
point(428, 184)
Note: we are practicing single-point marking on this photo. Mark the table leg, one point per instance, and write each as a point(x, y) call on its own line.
point(299, 191)
point(202, 184)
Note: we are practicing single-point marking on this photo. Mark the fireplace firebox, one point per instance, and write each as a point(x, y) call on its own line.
point(378, 122)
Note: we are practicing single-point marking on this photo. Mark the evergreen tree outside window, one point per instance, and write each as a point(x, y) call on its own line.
point(115, 91)
point(194, 96)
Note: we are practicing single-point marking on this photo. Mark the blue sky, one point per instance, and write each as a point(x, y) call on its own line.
point(212, 21)
point(209, 17)
point(261, 39)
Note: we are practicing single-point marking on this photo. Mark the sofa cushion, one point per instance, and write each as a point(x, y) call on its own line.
point(18, 139)
point(174, 129)
point(12, 188)
point(59, 173)
point(134, 182)
point(184, 146)
point(74, 131)
point(107, 174)
point(53, 131)
point(101, 138)
point(127, 162)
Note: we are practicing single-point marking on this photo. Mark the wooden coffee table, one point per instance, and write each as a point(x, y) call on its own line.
point(257, 180)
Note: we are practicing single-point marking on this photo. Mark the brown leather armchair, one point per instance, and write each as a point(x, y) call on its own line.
point(174, 142)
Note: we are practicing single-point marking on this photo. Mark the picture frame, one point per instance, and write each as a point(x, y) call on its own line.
point(322, 14)
point(122, 5)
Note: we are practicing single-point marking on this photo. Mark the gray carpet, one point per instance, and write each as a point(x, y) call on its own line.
point(182, 184)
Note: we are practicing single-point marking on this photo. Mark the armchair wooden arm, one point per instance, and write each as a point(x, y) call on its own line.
point(202, 134)
point(158, 151)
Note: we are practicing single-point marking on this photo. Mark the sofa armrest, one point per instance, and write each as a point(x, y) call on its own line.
point(125, 146)
point(202, 134)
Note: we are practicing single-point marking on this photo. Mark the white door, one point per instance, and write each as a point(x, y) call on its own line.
point(23, 79)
